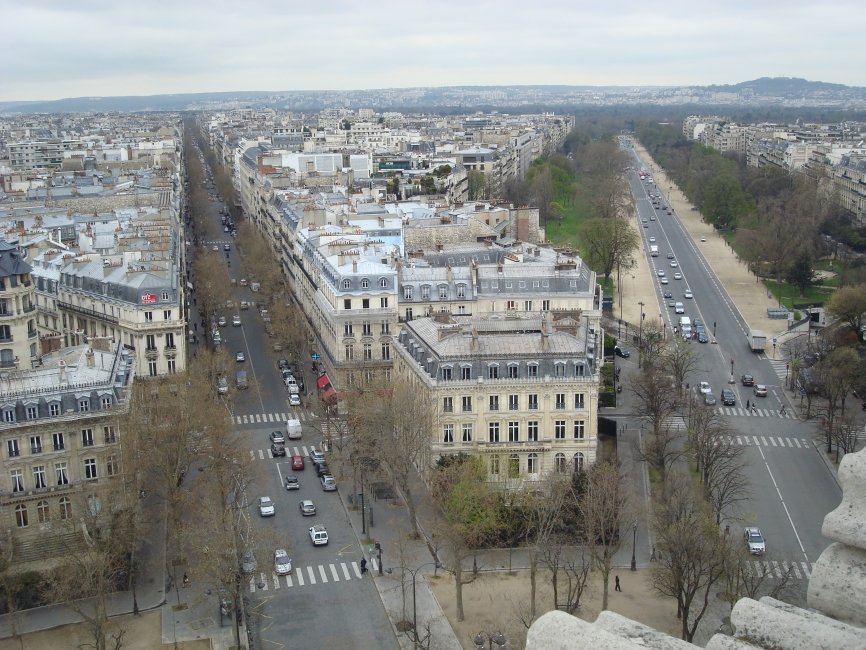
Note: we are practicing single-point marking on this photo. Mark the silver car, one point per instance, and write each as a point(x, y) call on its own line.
point(754, 540)
point(248, 563)
point(282, 562)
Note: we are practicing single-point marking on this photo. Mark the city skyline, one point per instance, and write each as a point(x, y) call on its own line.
point(109, 49)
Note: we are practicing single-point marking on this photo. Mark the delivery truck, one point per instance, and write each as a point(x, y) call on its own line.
point(654, 250)
point(757, 340)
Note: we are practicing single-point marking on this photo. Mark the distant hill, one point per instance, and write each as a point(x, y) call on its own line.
point(779, 86)
point(757, 92)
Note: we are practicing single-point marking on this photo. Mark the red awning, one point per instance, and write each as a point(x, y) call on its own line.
point(323, 381)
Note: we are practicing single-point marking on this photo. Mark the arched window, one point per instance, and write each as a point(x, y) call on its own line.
point(578, 461)
point(65, 508)
point(42, 512)
point(383, 283)
point(513, 466)
point(21, 515)
point(347, 284)
point(559, 463)
point(494, 465)
point(365, 283)
point(532, 463)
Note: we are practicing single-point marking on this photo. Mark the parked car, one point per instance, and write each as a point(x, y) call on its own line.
point(329, 483)
point(266, 507)
point(316, 456)
point(294, 399)
point(754, 540)
point(248, 562)
point(621, 352)
point(322, 469)
point(282, 562)
point(308, 508)
point(760, 390)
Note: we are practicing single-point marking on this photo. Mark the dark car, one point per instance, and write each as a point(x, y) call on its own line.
point(621, 352)
point(278, 449)
point(668, 294)
point(748, 380)
point(728, 397)
point(322, 469)
point(702, 336)
point(282, 364)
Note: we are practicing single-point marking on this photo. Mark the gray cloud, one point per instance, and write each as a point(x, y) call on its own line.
point(56, 49)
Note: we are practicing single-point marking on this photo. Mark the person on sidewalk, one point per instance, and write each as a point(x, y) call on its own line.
point(616, 584)
point(363, 565)
point(185, 580)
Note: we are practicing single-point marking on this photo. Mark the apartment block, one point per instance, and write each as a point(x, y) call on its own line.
point(519, 391)
point(61, 450)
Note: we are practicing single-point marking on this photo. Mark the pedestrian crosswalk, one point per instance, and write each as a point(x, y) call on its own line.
point(261, 454)
point(777, 569)
point(310, 575)
point(674, 423)
point(756, 412)
point(268, 418)
point(771, 441)
point(780, 367)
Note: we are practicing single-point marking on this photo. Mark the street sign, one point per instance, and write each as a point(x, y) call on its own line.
point(315, 356)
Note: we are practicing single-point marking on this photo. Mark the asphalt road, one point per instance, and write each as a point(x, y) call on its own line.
point(325, 602)
point(792, 487)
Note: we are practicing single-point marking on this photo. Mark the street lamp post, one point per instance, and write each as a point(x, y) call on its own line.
point(633, 545)
point(414, 603)
point(640, 336)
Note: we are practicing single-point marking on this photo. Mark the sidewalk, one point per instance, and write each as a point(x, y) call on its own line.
point(401, 556)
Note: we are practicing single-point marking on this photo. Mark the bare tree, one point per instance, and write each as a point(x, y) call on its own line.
point(603, 505)
point(213, 284)
point(680, 360)
point(96, 564)
point(692, 557)
point(542, 510)
point(720, 462)
point(744, 578)
point(576, 566)
point(658, 403)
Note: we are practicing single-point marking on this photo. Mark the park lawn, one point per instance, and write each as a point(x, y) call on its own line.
point(791, 294)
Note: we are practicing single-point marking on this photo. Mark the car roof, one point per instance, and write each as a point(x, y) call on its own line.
point(263, 499)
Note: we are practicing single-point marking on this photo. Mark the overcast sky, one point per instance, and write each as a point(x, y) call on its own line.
point(65, 48)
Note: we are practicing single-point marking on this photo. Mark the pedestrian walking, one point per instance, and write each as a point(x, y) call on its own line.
point(616, 584)
point(185, 580)
point(363, 565)
point(782, 412)
point(747, 406)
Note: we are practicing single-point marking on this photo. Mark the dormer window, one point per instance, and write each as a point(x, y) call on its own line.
point(365, 283)
point(347, 285)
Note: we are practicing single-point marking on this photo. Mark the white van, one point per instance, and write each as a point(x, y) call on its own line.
point(685, 326)
point(293, 429)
